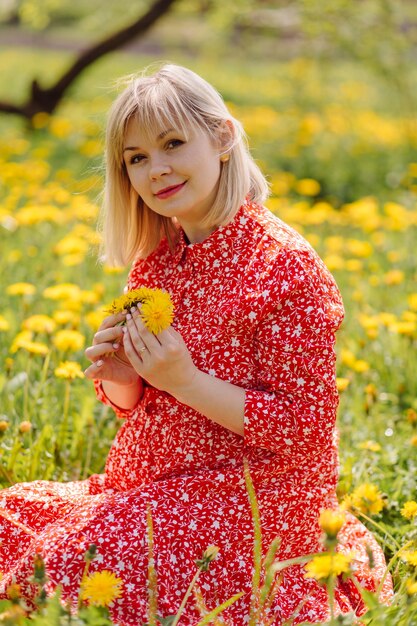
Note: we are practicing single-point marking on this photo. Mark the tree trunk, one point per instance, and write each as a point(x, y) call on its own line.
point(46, 100)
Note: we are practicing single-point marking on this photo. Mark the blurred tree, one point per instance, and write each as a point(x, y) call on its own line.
point(381, 34)
point(47, 99)
point(101, 15)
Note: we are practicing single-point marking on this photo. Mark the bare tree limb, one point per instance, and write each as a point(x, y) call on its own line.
point(46, 100)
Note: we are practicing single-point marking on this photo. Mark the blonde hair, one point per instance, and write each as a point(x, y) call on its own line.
point(178, 97)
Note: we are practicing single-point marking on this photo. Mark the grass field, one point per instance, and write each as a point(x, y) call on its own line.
point(341, 156)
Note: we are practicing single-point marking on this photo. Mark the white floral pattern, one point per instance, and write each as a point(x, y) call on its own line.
point(257, 307)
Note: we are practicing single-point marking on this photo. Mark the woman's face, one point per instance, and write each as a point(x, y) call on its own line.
point(174, 175)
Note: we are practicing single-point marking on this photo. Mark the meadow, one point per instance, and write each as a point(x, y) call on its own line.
point(341, 156)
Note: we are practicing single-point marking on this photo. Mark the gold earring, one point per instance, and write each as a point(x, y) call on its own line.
point(224, 158)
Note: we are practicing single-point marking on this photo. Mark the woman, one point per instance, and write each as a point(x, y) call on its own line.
point(246, 371)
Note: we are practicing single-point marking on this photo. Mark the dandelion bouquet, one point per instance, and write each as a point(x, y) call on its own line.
point(156, 307)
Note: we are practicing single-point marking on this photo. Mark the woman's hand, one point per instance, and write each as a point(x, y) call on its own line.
point(163, 360)
point(109, 361)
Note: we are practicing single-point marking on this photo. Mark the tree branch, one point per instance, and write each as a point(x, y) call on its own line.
point(46, 100)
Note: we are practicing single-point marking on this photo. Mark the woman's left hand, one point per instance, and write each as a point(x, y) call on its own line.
point(163, 360)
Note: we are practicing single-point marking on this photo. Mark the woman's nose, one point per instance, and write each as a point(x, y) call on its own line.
point(158, 168)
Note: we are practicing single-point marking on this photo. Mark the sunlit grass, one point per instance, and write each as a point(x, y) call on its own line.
point(341, 172)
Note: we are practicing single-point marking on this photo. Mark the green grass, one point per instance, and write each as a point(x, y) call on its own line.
point(333, 123)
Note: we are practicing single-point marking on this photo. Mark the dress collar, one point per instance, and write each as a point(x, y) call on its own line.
point(216, 244)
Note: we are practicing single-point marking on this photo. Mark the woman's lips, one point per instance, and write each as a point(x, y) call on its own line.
point(169, 191)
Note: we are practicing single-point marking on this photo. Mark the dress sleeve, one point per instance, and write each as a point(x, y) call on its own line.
point(293, 410)
point(101, 395)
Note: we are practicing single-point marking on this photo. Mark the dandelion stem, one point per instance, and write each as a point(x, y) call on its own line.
point(390, 565)
point(26, 391)
point(43, 377)
point(208, 619)
point(152, 575)
point(380, 528)
point(89, 450)
point(186, 596)
point(64, 423)
point(257, 544)
point(330, 590)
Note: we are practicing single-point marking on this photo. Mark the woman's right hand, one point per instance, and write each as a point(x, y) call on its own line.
point(109, 361)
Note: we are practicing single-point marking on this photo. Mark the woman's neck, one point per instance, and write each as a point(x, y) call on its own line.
point(196, 234)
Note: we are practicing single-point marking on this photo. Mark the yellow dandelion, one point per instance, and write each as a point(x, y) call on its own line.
point(4, 324)
point(101, 588)
point(359, 248)
point(412, 301)
point(94, 319)
point(366, 498)
point(60, 127)
point(66, 340)
point(40, 324)
point(34, 347)
point(21, 289)
point(331, 522)
point(394, 277)
point(70, 260)
point(409, 510)
point(40, 120)
point(66, 317)
point(369, 445)
point(410, 557)
point(75, 305)
point(157, 310)
point(69, 370)
point(71, 245)
point(411, 586)
point(360, 366)
point(413, 440)
point(387, 319)
point(347, 357)
point(403, 328)
point(342, 384)
point(157, 313)
point(22, 337)
point(64, 291)
point(108, 269)
point(129, 299)
point(371, 391)
point(324, 566)
point(89, 296)
point(307, 187)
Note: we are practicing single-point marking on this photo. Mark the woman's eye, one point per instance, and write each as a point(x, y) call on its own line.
point(136, 158)
point(174, 143)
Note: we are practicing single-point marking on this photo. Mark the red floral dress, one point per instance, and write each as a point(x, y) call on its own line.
point(256, 307)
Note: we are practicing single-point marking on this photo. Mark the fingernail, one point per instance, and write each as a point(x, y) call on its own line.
point(99, 363)
point(133, 309)
point(124, 329)
point(128, 316)
point(115, 346)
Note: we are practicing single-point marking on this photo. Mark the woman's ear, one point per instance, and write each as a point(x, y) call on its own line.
point(226, 136)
